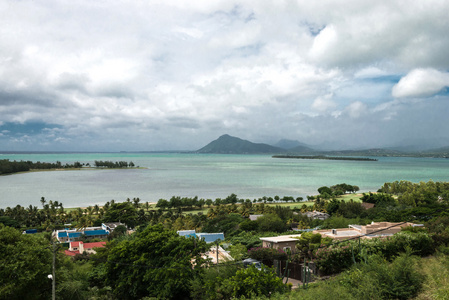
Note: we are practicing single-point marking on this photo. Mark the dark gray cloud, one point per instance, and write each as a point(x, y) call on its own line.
point(175, 75)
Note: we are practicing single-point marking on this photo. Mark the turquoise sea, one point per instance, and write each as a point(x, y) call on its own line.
point(203, 175)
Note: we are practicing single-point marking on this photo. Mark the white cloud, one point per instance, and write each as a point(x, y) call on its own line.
point(356, 109)
point(113, 74)
point(421, 83)
point(324, 103)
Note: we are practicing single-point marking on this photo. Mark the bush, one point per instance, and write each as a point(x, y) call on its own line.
point(420, 243)
point(379, 279)
point(334, 259)
point(250, 282)
point(267, 255)
point(271, 222)
point(230, 281)
point(338, 257)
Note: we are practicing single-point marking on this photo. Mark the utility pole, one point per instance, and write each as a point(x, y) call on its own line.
point(217, 253)
point(53, 287)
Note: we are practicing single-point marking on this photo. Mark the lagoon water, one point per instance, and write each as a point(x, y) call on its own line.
point(203, 175)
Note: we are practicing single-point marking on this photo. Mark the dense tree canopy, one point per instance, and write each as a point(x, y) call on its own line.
point(123, 212)
point(25, 263)
point(153, 262)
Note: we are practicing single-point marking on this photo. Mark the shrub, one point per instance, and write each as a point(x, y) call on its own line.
point(379, 279)
point(338, 257)
point(267, 255)
point(251, 282)
point(334, 259)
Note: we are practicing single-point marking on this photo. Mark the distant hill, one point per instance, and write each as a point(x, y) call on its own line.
point(289, 144)
point(303, 150)
point(367, 152)
point(439, 152)
point(227, 144)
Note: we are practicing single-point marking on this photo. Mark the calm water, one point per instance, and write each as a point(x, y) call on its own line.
point(205, 176)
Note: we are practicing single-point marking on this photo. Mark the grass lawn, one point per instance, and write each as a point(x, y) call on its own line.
point(355, 197)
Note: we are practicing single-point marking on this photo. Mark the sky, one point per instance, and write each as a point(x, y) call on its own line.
point(174, 75)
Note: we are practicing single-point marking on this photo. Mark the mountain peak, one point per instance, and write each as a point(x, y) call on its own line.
point(227, 144)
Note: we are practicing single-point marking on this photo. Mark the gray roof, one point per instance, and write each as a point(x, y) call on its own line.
point(254, 217)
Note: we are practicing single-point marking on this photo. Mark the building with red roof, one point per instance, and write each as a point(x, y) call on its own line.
point(79, 247)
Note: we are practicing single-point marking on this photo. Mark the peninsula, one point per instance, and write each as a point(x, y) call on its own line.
point(325, 157)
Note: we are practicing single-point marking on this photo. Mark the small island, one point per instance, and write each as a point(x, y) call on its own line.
point(325, 157)
point(11, 167)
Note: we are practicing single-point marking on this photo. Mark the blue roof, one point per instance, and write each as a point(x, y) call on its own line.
point(74, 235)
point(186, 232)
point(62, 234)
point(95, 232)
point(211, 237)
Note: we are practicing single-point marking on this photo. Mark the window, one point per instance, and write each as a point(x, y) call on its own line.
point(287, 249)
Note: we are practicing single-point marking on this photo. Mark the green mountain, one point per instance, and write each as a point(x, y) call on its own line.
point(227, 144)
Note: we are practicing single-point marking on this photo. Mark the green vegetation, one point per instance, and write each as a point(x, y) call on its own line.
point(156, 262)
point(113, 165)
point(10, 167)
point(25, 262)
point(234, 282)
point(227, 144)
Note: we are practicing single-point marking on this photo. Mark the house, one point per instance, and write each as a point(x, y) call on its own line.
point(367, 205)
point(187, 233)
point(216, 253)
point(69, 235)
point(221, 257)
point(207, 237)
point(373, 230)
point(109, 227)
point(80, 248)
point(283, 242)
point(316, 215)
point(211, 237)
point(254, 217)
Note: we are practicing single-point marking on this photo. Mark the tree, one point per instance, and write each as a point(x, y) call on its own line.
point(153, 262)
point(124, 212)
point(332, 206)
point(231, 199)
point(351, 209)
point(271, 222)
point(378, 199)
point(238, 251)
point(325, 189)
point(162, 204)
point(25, 262)
point(248, 225)
point(117, 232)
point(251, 282)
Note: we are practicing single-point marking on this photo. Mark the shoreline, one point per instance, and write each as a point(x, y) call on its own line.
point(71, 169)
point(325, 157)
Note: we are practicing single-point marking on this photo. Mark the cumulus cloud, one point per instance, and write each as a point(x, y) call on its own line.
point(420, 83)
point(147, 76)
point(356, 109)
point(324, 103)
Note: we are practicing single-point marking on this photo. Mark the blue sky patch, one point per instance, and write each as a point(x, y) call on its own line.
point(32, 128)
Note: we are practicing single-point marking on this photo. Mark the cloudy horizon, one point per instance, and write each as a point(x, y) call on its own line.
point(175, 75)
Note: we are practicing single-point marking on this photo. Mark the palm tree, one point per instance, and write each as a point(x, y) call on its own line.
point(96, 209)
point(43, 201)
point(136, 202)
